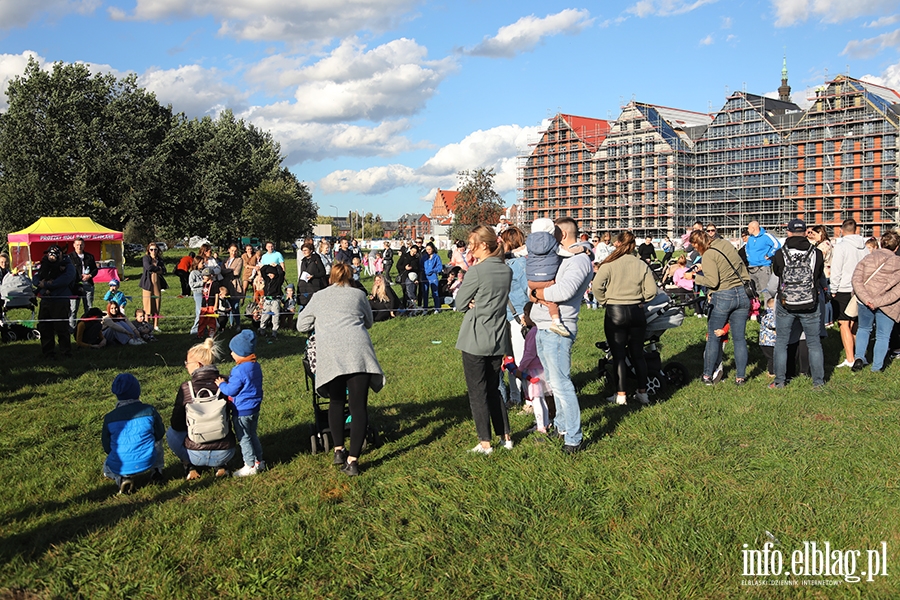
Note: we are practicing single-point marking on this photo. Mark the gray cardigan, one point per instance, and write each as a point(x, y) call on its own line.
point(341, 315)
point(484, 330)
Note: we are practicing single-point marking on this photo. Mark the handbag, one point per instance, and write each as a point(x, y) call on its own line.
point(749, 285)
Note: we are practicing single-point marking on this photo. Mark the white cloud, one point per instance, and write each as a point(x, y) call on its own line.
point(726, 22)
point(883, 21)
point(707, 41)
point(527, 32)
point(665, 8)
point(287, 20)
point(789, 12)
point(890, 78)
point(351, 84)
point(496, 147)
point(18, 13)
point(193, 90)
point(12, 65)
point(870, 47)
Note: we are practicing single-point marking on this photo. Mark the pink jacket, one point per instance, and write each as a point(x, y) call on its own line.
point(881, 269)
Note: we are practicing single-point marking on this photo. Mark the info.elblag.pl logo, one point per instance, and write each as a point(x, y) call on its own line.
point(812, 564)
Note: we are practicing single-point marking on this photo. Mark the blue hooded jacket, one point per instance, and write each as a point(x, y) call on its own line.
point(761, 248)
point(543, 261)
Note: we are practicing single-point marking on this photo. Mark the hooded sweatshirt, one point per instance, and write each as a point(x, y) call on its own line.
point(847, 253)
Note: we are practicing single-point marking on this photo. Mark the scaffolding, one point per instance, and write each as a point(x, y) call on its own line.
point(655, 170)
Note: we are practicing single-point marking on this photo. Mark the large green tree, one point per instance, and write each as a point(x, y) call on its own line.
point(280, 210)
point(477, 203)
point(75, 143)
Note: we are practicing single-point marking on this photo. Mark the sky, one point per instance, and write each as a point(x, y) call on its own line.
point(378, 103)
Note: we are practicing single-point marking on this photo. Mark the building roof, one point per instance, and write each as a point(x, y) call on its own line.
point(590, 131)
point(447, 197)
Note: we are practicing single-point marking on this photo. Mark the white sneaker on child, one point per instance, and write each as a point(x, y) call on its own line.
point(617, 399)
point(244, 471)
point(508, 444)
point(559, 329)
point(479, 449)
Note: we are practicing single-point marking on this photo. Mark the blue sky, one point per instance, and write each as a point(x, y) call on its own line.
point(376, 103)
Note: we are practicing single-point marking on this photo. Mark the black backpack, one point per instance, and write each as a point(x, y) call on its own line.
point(798, 283)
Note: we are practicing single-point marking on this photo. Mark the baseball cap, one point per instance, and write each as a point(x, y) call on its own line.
point(796, 226)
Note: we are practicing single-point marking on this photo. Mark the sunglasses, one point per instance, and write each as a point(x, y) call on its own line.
point(710, 231)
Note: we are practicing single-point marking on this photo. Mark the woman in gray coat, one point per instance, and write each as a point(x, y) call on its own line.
point(345, 359)
point(484, 335)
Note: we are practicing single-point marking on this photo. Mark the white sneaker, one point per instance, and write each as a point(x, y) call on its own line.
point(617, 399)
point(642, 397)
point(244, 471)
point(508, 444)
point(479, 449)
point(559, 329)
point(846, 363)
point(134, 342)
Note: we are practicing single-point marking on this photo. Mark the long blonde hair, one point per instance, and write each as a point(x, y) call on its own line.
point(378, 289)
point(206, 352)
point(483, 233)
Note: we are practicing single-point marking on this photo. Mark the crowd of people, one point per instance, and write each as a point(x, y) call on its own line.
point(521, 296)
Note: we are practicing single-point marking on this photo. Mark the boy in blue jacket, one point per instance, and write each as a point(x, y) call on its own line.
point(132, 436)
point(244, 386)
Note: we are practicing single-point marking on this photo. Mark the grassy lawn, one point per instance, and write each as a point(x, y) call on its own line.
point(659, 505)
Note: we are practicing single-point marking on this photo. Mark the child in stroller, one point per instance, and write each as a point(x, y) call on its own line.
point(662, 313)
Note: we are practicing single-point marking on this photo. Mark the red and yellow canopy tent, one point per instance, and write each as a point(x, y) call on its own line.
point(26, 247)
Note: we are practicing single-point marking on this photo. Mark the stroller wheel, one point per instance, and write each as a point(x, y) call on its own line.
point(326, 442)
point(313, 444)
point(34, 335)
point(676, 374)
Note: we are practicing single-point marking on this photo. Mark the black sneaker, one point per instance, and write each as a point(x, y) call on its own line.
point(858, 365)
point(351, 469)
point(340, 457)
point(571, 449)
point(126, 486)
point(157, 477)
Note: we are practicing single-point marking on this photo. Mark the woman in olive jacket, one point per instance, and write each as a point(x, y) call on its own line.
point(484, 335)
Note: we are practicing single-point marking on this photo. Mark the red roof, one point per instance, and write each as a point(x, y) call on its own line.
point(444, 203)
point(590, 131)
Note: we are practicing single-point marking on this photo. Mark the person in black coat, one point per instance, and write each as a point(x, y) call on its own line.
point(312, 274)
point(53, 282)
point(409, 265)
point(383, 300)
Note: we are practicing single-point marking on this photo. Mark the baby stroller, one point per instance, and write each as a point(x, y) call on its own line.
point(320, 433)
point(662, 313)
point(16, 292)
point(656, 268)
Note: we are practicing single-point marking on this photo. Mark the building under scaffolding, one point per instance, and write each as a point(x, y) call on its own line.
point(655, 170)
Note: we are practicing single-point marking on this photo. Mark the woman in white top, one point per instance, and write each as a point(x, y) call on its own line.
point(604, 248)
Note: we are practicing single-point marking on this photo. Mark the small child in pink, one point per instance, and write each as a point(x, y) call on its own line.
point(531, 371)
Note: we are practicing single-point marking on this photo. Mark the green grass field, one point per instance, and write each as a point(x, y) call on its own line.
point(660, 503)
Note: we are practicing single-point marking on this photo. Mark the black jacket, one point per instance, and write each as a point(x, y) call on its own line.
point(89, 263)
point(274, 284)
point(412, 261)
point(313, 265)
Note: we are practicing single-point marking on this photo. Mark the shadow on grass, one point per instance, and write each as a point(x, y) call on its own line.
point(34, 542)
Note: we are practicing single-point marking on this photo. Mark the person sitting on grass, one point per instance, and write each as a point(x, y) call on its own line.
point(132, 436)
point(143, 326)
point(117, 329)
point(195, 454)
point(245, 387)
point(89, 332)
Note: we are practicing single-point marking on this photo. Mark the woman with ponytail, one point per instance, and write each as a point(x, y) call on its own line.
point(484, 335)
point(623, 283)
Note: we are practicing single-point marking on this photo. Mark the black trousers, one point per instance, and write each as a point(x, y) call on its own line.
point(53, 322)
point(483, 381)
point(354, 390)
point(625, 326)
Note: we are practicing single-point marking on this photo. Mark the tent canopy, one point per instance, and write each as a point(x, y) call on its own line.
point(28, 245)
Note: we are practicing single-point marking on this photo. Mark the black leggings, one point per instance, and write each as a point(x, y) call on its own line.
point(625, 326)
point(357, 384)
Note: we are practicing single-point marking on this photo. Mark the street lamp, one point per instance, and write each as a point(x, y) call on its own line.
point(334, 223)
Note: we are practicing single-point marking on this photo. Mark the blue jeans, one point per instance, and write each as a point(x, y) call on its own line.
point(728, 306)
point(555, 352)
point(196, 458)
point(883, 327)
point(245, 430)
point(784, 322)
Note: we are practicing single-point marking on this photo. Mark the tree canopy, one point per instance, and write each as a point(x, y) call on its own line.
point(73, 143)
point(477, 203)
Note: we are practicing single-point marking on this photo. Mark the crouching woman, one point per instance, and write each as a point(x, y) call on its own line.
point(132, 436)
point(196, 454)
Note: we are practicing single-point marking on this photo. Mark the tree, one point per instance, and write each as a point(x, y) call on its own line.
point(476, 203)
point(73, 143)
point(280, 209)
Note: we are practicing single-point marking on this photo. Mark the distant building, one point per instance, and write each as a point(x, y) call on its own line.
point(655, 170)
